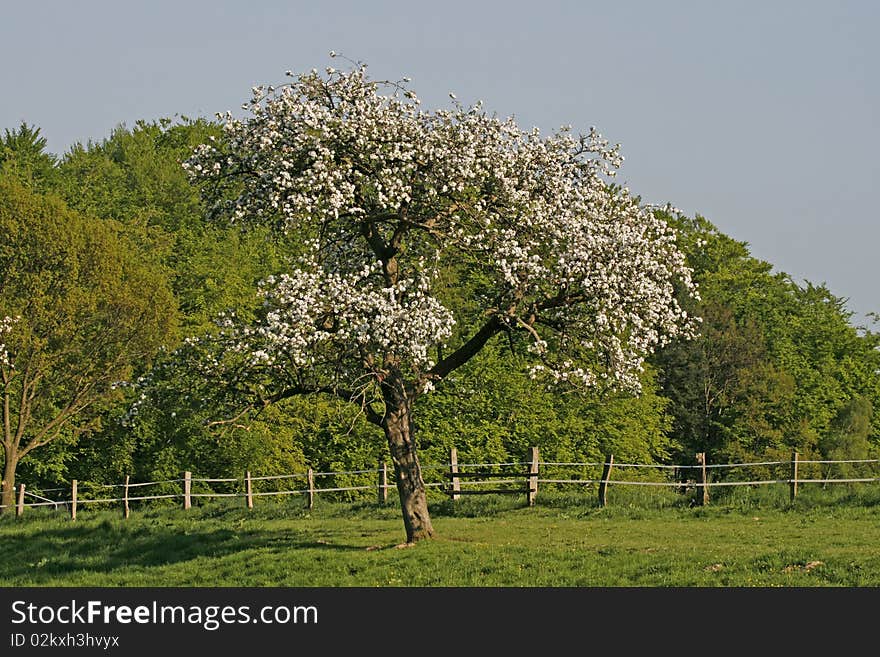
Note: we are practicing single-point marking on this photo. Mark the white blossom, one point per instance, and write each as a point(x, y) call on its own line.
point(395, 195)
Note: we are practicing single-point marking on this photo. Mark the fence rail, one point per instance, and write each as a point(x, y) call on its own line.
point(455, 479)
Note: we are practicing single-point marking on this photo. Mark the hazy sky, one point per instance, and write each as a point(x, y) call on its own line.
point(762, 116)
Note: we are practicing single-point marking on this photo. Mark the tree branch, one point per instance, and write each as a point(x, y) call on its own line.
point(52, 430)
point(466, 351)
point(341, 393)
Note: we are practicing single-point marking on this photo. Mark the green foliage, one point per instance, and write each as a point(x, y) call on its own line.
point(23, 156)
point(88, 313)
point(774, 365)
point(134, 177)
point(847, 439)
point(490, 411)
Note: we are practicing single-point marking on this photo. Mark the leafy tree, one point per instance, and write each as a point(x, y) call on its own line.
point(774, 364)
point(394, 204)
point(23, 155)
point(134, 177)
point(723, 387)
point(79, 312)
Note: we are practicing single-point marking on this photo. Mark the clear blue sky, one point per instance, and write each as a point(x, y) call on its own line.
point(763, 116)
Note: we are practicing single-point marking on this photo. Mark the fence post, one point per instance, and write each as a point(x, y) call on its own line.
point(73, 494)
point(19, 508)
point(453, 470)
point(606, 476)
point(383, 483)
point(701, 461)
point(311, 476)
point(248, 489)
point(532, 491)
point(794, 475)
point(187, 489)
point(125, 509)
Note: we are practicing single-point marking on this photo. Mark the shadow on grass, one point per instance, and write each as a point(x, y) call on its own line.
point(43, 550)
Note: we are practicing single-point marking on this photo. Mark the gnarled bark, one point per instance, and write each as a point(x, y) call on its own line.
point(398, 427)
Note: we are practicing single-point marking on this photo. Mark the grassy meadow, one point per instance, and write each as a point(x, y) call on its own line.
point(655, 539)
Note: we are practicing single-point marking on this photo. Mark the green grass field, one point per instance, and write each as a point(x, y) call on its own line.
point(749, 538)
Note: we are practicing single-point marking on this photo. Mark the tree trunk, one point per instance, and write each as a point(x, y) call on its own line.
point(398, 428)
point(7, 495)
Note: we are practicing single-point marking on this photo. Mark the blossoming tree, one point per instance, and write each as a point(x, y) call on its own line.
point(400, 209)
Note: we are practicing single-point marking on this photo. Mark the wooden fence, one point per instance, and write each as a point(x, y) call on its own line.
point(455, 480)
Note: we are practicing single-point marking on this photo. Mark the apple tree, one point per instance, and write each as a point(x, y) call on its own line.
point(426, 234)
